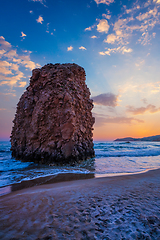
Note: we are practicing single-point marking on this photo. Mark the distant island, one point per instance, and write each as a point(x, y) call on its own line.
point(129, 139)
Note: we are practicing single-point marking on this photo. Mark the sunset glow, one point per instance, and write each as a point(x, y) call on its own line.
point(116, 44)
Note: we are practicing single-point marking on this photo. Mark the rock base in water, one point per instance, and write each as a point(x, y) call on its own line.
point(53, 122)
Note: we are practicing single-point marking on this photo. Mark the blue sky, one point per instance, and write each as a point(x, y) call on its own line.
point(117, 43)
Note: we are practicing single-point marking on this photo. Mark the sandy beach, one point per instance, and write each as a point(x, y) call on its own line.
point(122, 207)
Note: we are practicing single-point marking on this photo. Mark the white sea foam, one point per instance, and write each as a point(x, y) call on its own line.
point(111, 158)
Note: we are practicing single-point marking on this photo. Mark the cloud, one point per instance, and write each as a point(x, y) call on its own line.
point(106, 99)
point(22, 84)
point(101, 120)
point(107, 2)
point(25, 61)
point(23, 35)
point(2, 52)
point(70, 48)
point(146, 38)
point(125, 27)
point(144, 100)
point(5, 68)
point(40, 1)
point(82, 48)
point(40, 19)
point(157, 1)
point(139, 63)
point(103, 26)
point(111, 38)
point(106, 16)
point(4, 44)
point(88, 29)
point(141, 110)
point(122, 50)
point(12, 94)
point(94, 36)
point(138, 22)
point(149, 14)
point(30, 11)
point(10, 63)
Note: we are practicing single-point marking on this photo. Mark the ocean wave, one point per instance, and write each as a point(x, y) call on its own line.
point(140, 153)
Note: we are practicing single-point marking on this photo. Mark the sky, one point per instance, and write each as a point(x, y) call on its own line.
point(116, 42)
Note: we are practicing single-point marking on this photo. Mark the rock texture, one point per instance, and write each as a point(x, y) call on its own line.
point(53, 122)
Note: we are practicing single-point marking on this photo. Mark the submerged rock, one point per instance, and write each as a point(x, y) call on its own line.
point(53, 121)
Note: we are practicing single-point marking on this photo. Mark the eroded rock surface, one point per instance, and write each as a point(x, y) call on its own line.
point(53, 122)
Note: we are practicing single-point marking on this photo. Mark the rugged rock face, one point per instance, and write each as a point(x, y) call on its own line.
point(53, 122)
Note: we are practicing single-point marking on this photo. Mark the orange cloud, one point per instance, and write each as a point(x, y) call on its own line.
point(9, 67)
point(4, 44)
point(101, 120)
point(141, 110)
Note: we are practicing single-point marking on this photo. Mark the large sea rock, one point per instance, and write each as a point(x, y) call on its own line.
point(53, 121)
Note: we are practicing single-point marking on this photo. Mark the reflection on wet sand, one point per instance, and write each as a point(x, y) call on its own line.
point(63, 177)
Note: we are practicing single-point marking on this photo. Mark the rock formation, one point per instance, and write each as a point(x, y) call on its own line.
point(53, 121)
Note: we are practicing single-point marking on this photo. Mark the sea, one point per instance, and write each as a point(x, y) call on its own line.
point(111, 158)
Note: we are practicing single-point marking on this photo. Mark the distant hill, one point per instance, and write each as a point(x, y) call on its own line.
point(151, 139)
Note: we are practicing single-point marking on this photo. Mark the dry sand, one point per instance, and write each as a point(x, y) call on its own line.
point(124, 207)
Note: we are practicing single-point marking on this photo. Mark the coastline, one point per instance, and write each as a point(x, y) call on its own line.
point(60, 177)
point(125, 206)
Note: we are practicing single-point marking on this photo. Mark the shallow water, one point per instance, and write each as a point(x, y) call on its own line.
point(111, 158)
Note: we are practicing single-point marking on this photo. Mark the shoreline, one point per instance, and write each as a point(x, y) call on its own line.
point(118, 207)
point(61, 177)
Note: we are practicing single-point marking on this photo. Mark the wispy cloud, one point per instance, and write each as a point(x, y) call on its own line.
point(10, 64)
point(40, 1)
point(106, 99)
point(138, 22)
point(122, 50)
point(107, 2)
point(107, 16)
point(4, 44)
point(157, 1)
point(144, 100)
point(40, 20)
point(70, 48)
point(141, 110)
point(82, 48)
point(8, 94)
point(101, 120)
point(125, 27)
point(139, 63)
point(88, 29)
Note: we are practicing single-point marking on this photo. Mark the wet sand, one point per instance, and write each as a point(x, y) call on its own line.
point(122, 207)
